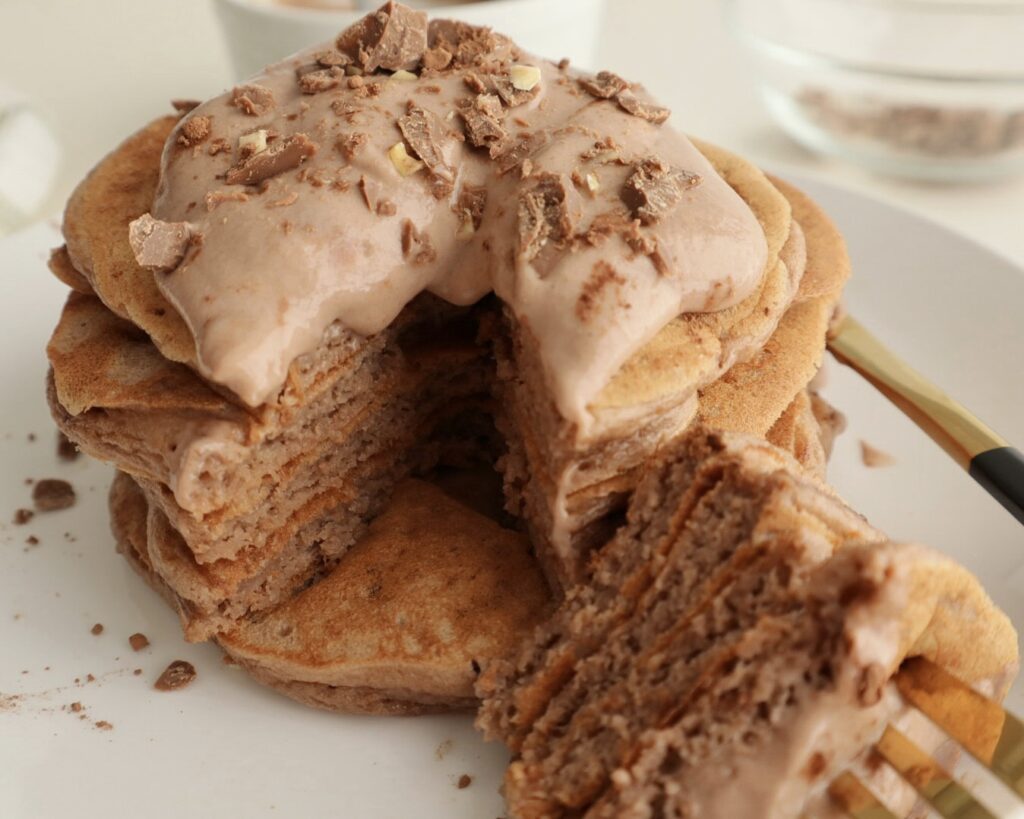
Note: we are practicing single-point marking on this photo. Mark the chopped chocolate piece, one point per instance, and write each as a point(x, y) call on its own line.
point(254, 100)
point(629, 102)
point(510, 95)
point(314, 79)
point(193, 131)
point(654, 188)
point(482, 116)
point(425, 132)
point(437, 58)
point(349, 144)
point(215, 198)
point(416, 246)
point(97, 629)
point(474, 82)
point(332, 58)
point(51, 494)
point(372, 192)
point(184, 106)
point(392, 37)
point(601, 277)
point(605, 151)
point(280, 157)
point(470, 45)
point(604, 85)
point(513, 156)
point(23, 516)
point(549, 209)
point(604, 226)
point(464, 782)
point(158, 245)
point(177, 675)
point(470, 207)
point(66, 449)
point(138, 641)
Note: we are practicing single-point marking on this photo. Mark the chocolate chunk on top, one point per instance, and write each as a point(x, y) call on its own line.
point(282, 156)
point(655, 188)
point(425, 133)
point(392, 38)
point(314, 79)
point(483, 118)
point(512, 156)
point(158, 245)
point(51, 494)
point(253, 100)
point(549, 210)
point(632, 104)
point(604, 85)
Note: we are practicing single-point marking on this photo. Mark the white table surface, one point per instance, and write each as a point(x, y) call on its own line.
point(100, 68)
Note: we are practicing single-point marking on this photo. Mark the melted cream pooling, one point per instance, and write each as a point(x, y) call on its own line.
point(273, 272)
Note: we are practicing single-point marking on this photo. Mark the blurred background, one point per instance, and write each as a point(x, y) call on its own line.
point(918, 102)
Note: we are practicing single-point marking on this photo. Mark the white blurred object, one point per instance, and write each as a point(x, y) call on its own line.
point(259, 32)
point(29, 159)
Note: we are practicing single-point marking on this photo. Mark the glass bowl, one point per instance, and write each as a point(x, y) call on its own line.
point(931, 89)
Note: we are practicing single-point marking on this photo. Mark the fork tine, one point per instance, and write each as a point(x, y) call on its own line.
point(853, 796)
point(930, 780)
point(994, 737)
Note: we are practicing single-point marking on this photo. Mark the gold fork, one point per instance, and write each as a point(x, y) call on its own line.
point(980, 726)
point(986, 456)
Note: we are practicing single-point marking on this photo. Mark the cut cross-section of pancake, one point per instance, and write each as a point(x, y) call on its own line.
point(733, 650)
point(401, 625)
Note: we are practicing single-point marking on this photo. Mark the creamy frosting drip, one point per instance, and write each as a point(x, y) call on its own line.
point(345, 236)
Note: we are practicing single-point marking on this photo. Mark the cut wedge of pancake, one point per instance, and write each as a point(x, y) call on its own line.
point(743, 621)
point(431, 592)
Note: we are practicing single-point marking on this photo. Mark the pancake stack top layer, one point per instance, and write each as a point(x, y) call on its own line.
point(733, 649)
point(455, 163)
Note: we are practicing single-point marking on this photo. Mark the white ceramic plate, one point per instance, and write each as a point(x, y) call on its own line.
point(226, 747)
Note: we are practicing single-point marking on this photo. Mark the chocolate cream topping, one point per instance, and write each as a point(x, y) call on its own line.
point(342, 182)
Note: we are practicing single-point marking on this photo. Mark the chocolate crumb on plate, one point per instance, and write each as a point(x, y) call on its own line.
point(96, 629)
point(103, 725)
point(464, 782)
point(177, 675)
point(873, 457)
point(66, 449)
point(32, 540)
point(23, 516)
point(138, 641)
point(51, 494)
point(76, 707)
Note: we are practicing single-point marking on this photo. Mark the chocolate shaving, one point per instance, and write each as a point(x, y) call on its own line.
point(515, 155)
point(254, 100)
point(549, 209)
point(437, 58)
point(483, 115)
point(51, 494)
point(604, 85)
point(313, 79)
point(425, 132)
point(372, 192)
point(471, 204)
point(630, 103)
point(416, 245)
point(654, 188)
point(393, 37)
point(193, 131)
point(177, 675)
point(184, 106)
point(215, 198)
point(280, 157)
point(158, 245)
point(349, 144)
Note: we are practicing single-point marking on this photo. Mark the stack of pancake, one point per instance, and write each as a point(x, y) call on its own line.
point(267, 522)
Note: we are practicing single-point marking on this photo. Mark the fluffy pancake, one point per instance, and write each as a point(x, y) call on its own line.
point(432, 589)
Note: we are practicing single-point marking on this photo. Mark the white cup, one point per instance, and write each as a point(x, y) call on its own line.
point(260, 32)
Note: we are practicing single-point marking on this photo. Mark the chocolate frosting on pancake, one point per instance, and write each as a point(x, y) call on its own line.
point(325, 189)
